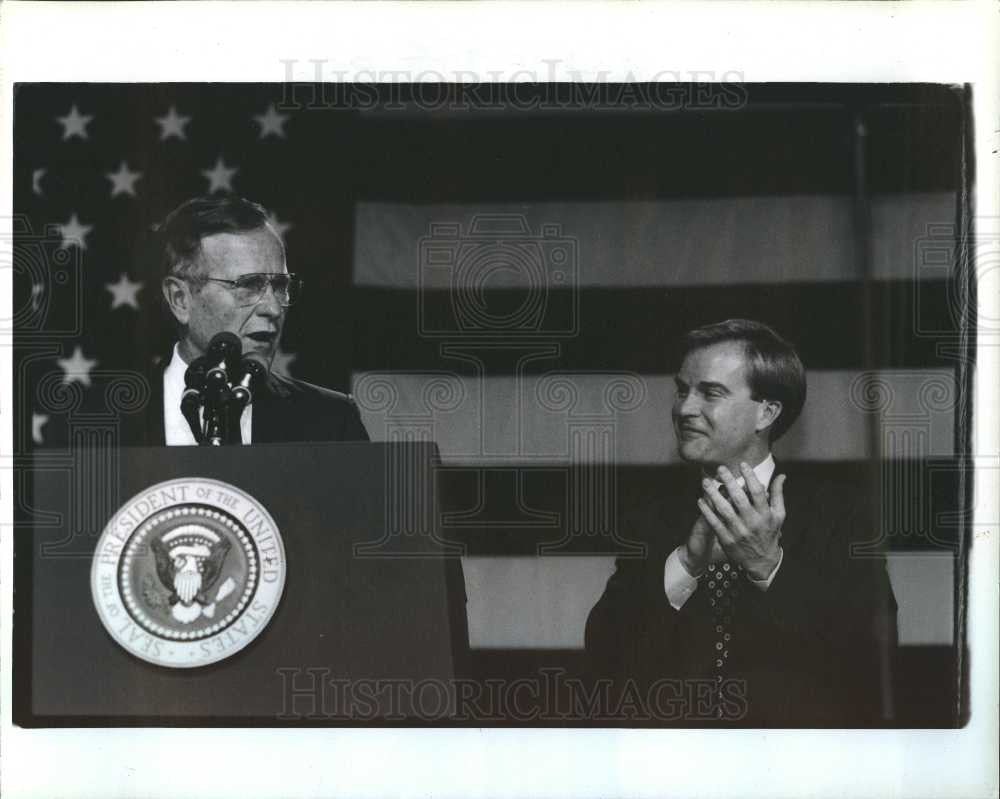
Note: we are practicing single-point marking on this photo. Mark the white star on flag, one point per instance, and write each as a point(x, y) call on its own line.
point(36, 181)
point(172, 124)
point(220, 177)
point(38, 421)
point(74, 234)
point(123, 292)
point(123, 181)
point(77, 367)
point(282, 362)
point(74, 124)
point(271, 123)
point(281, 227)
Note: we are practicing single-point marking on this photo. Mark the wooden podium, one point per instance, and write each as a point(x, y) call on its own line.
point(367, 629)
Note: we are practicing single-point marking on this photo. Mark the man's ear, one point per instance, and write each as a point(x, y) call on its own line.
point(767, 414)
point(177, 293)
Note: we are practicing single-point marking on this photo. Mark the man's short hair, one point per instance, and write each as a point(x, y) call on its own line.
point(774, 370)
point(180, 233)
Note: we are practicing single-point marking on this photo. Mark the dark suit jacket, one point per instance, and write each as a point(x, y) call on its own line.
point(813, 650)
point(284, 409)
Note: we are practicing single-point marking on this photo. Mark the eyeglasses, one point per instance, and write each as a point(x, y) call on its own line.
point(249, 289)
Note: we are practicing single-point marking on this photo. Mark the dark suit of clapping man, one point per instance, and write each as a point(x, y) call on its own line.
point(750, 606)
point(222, 267)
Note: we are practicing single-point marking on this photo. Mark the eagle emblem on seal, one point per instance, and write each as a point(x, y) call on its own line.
point(189, 561)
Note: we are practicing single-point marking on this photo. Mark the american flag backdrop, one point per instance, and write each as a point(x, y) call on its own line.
point(505, 270)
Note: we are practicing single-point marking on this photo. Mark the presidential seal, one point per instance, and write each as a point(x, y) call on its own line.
point(188, 572)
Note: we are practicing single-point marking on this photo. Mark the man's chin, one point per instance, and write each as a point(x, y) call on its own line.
point(264, 350)
point(692, 451)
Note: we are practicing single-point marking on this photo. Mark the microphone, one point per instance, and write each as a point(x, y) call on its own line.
point(192, 398)
point(251, 370)
point(224, 351)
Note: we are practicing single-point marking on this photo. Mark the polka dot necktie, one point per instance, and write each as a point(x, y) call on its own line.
point(723, 589)
point(724, 582)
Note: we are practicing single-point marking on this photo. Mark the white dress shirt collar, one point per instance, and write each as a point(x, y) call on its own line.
point(763, 470)
point(175, 427)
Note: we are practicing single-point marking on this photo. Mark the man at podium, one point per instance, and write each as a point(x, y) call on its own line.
point(222, 269)
point(261, 590)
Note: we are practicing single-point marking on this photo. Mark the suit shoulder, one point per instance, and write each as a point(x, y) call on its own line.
point(315, 413)
point(844, 488)
point(303, 390)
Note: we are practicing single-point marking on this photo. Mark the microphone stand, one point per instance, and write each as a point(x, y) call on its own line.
point(215, 422)
point(223, 351)
point(241, 393)
point(208, 389)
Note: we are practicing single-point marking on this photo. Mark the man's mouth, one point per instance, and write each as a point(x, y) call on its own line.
point(691, 431)
point(263, 337)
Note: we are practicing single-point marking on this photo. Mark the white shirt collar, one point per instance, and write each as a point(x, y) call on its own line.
point(174, 374)
point(762, 470)
point(176, 429)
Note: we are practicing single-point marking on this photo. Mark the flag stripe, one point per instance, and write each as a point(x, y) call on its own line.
point(663, 243)
point(635, 329)
point(539, 419)
point(524, 510)
point(543, 603)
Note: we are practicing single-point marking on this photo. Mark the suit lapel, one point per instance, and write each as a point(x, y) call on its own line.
point(155, 432)
point(145, 428)
point(267, 424)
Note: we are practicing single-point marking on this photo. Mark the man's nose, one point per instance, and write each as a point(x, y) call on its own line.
point(268, 304)
point(686, 405)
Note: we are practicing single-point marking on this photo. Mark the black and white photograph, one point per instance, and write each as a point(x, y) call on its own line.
point(344, 405)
